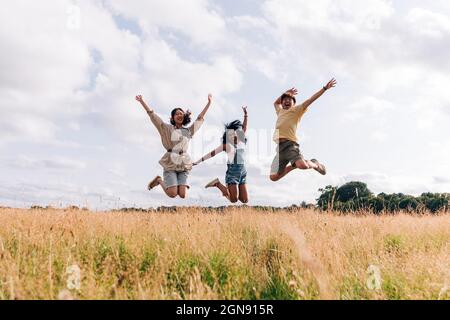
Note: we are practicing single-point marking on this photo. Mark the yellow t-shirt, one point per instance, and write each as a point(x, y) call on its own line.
point(287, 122)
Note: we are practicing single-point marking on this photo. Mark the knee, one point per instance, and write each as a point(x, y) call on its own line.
point(172, 193)
point(244, 200)
point(274, 177)
point(233, 199)
point(182, 192)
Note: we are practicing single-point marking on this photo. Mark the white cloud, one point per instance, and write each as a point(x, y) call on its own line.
point(368, 107)
point(379, 136)
point(117, 169)
point(197, 20)
point(65, 84)
point(40, 57)
point(58, 163)
point(349, 15)
point(427, 23)
point(29, 126)
point(43, 64)
point(338, 36)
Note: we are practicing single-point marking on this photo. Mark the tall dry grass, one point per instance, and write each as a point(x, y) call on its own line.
point(238, 254)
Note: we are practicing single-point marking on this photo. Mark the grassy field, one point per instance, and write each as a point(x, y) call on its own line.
point(239, 253)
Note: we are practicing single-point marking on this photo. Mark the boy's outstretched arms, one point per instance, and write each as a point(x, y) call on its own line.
point(244, 124)
point(205, 109)
point(331, 84)
point(211, 154)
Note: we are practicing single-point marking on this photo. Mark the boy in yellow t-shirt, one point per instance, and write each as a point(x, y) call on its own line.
point(289, 115)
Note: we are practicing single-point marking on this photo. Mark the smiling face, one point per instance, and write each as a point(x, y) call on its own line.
point(178, 117)
point(287, 102)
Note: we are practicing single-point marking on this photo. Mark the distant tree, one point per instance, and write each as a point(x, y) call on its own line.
point(408, 203)
point(326, 198)
point(376, 204)
point(303, 205)
point(355, 195)
point(435, 202)
point(352, 190)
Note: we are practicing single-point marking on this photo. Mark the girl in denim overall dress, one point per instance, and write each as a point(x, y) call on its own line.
point(233, 143)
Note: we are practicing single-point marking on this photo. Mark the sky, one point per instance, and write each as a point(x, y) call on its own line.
point(71, 132)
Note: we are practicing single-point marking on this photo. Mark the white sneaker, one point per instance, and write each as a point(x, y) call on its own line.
point(212, 183)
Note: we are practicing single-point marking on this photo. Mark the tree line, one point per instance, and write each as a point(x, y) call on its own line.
point(355, 196)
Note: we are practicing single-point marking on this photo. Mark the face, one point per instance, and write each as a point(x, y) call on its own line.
point(287, 102)
point(179, 117)
point(231, 136)
point(235, 136)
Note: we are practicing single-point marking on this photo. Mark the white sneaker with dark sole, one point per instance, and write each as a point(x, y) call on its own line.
point(212, 183)
point(322, 170)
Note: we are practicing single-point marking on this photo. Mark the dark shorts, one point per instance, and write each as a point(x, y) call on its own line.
point(236, 174)
point(287, 151)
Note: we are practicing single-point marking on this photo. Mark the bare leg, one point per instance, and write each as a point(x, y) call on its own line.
point(243, 195)
point(301, 164)
point(278, 176)
point(305, 164)
point(233, 190)
point(171, 192)
point(182, 191)
point(224, 190)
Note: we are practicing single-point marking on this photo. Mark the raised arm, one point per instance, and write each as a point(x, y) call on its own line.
point(157, 121)
point(199, 121)
point(211, 154)
point(144, 105)
point(244, 125)
point(317, 95)
point(205, 109)
point(277, 103)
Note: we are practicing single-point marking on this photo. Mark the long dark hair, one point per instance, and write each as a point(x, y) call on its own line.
point(187, 116)
point(236, 125)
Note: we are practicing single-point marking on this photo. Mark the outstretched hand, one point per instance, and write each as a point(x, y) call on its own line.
point(210, 98)
point(139, 98)
point(245, 110)
point(331, 84)
point(292, 91)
